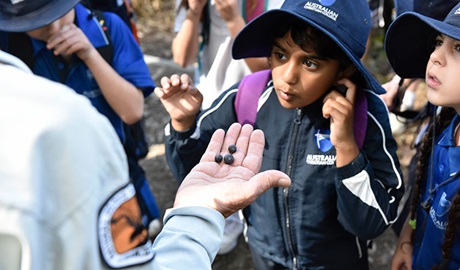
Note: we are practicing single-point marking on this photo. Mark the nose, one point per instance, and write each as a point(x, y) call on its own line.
point(290, 72)
point(437, 57)
point(52, 29)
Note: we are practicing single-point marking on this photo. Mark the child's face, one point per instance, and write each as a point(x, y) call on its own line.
point(300, 77)
point(44, 33)
point(442, 73)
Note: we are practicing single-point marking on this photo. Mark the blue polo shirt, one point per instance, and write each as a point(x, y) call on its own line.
point(431, 225)
point(128, 61)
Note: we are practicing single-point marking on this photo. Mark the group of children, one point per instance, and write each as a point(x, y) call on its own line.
point(343, 194)
point(325, 125)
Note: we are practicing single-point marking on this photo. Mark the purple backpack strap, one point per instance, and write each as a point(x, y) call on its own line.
point(249, 91)
point(360, 120)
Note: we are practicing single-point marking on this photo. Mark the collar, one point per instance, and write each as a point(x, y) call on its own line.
point(8, 59)
point(448, 139)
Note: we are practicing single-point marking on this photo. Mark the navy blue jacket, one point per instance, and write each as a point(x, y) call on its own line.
point(322, 221)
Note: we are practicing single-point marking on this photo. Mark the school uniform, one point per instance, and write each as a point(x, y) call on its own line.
point(440, 188)
point(128, 62)
point(325, 218)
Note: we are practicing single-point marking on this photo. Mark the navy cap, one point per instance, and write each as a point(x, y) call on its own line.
point(346, 22)
point(26, 15)
point(408, 42)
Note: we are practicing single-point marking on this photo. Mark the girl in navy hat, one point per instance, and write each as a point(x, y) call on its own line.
point(346, 181)
point(422, 47)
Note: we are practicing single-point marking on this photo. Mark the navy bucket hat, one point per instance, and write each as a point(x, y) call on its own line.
point(409, 40)
point(346, 22)
point(26, 15)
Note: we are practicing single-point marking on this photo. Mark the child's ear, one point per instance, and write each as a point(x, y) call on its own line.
point(347, 72)
point(269, 61)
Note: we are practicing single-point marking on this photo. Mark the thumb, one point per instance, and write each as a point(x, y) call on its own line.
point(263, 181)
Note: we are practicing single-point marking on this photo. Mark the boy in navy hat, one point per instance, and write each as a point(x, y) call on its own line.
point(96, 56)
point(419, 46)
point(344, 192)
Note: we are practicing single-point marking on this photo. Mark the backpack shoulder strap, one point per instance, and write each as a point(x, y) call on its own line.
point(360, 118)
point(107, 50)
point(249, 91)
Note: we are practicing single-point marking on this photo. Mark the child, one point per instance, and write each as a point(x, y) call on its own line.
point(422, 47)
point(205, 31)
point(63, 37)
point(341, 195)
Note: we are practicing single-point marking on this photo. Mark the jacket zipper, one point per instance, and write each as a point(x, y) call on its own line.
point(297, 122)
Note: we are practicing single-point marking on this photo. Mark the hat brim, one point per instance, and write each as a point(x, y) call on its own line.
point(408, 43)
point(40, 17)
point(256, 40)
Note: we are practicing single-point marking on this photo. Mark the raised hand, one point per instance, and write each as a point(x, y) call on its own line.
point(181, 100)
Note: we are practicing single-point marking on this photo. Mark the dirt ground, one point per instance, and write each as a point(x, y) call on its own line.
point(156, 35)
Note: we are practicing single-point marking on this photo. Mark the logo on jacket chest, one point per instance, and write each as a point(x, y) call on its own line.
point(323, 143)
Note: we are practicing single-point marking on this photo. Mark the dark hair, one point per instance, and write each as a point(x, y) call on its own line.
point(308, 37)
point(441, 122)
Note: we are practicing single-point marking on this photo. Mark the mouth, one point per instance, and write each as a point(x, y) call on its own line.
point(432, 81)
point(286, 95)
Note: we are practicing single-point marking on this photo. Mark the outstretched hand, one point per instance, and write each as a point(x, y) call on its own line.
point(181, 100)
point(228, 188)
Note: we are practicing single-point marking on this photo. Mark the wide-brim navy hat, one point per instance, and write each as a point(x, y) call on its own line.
point(409, 40)
point(346, 22)
point(26, 15)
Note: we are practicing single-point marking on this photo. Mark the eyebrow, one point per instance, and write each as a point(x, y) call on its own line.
point(310, 56)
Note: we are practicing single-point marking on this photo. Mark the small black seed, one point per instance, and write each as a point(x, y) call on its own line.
point(228, 159)
point(232, 148)
point(218, 158)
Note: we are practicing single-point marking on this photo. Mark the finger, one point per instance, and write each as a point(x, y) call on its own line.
point(214, 146)
point(351, 89)
point(263, 181)
point(175, 80)
point(254, 156)
point(165, 82)
point(231, 138)
point(242, 144)
point(59, 37)
point(159, 92)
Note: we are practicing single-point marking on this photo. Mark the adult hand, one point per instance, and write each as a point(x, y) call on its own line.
point(181, 100)
point(228, 188)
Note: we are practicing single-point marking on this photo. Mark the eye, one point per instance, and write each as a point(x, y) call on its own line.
point(457, 47)
point(278, 55)
point(310, 64)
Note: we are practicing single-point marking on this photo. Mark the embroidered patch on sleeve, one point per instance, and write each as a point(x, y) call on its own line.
point(123, 239)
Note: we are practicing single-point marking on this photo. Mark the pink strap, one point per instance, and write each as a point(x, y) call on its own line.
point(249, 91)
point(360, 119)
